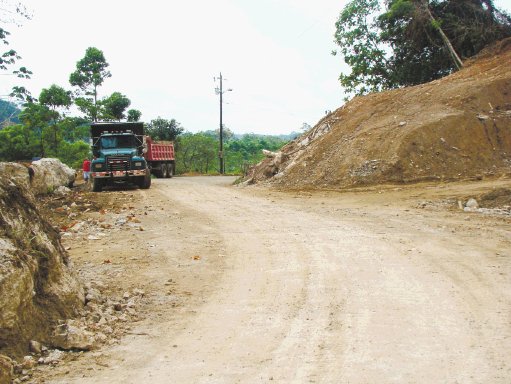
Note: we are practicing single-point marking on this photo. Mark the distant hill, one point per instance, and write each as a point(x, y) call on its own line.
point(284, 137)
point(8, 112)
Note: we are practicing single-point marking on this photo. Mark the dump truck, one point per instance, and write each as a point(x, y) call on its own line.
point(124, 155)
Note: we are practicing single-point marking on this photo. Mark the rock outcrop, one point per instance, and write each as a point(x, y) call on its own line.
point(37, 284)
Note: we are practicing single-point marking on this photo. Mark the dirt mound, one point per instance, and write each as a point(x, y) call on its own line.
point(457, 127)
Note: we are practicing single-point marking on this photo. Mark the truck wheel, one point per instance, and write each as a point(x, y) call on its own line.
point(147, 181)
point(97, 185)
point(170, 170)
point(164, 170)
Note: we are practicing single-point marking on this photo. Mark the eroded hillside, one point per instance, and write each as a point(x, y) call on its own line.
point(457, 127)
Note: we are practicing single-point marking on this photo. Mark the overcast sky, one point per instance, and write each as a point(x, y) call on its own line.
point(163, 55)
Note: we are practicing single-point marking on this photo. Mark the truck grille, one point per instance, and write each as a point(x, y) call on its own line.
point(118, 163)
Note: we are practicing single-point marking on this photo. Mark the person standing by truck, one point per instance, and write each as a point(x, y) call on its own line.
point(86, 170)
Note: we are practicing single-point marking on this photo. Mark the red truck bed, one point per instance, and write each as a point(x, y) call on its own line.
point(159, 150)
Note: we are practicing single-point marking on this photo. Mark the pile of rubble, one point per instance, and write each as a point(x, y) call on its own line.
point(102, 321)
point(470, 205)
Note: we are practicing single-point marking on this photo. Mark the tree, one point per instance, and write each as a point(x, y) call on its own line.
point(73, 154)
point(22, 94)
point(362, 48)
point(114, 106)
point(241, 152)
point(413, 41)
point(91, 71)
point(196, 153)
point(56, 98)
point(36, 118)
point(17, 142)
point(13, 13)
point(75, 129)
point(134, 115)
point(162, 129)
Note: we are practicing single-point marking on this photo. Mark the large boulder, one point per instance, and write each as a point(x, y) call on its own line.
point(72, 336)
point(49, 174)
point(37, 284)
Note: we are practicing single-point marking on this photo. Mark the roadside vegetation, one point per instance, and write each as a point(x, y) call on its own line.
point(198, 152)
point(398, 43)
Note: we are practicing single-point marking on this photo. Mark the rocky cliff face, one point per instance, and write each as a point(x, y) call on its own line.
point(37, 283)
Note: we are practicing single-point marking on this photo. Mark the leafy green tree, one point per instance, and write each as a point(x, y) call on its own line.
point(17, 142)
point(247, 150)
point(162, 129)
point(63, 138)
point(199, 152)
point(91, 71)
point(413, 41)
point(73, 154)
point(22, 94)
point(56, 98)
point(36, 118)
point(134, 115)
point(88, 108)
point(114, 106)
point(75, 129)
point(362, 48)
point(196, 153)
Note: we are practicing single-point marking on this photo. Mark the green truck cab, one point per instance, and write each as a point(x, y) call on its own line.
point(118, 150)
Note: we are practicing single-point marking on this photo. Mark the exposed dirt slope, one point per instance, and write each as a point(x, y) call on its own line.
point(453, 128)
point(37, 283)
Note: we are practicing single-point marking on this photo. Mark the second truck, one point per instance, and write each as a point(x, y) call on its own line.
point(123, 155)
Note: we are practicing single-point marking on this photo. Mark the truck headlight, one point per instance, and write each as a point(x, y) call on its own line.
point(138, 164)
point(98, 165)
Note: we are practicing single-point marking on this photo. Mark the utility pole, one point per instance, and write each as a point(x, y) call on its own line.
point(221, 150)
point(220, 92)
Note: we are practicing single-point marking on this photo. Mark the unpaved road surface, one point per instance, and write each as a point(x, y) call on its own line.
point(246, 285)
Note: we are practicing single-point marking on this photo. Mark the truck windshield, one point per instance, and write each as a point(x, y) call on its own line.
point(124, 141)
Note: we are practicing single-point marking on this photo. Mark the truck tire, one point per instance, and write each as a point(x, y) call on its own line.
point(164, 170)
point(97, 185)
point(160, 173)
point(146, 183)
point(170, 170)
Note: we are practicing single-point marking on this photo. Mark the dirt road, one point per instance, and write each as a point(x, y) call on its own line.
point(251, 286)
